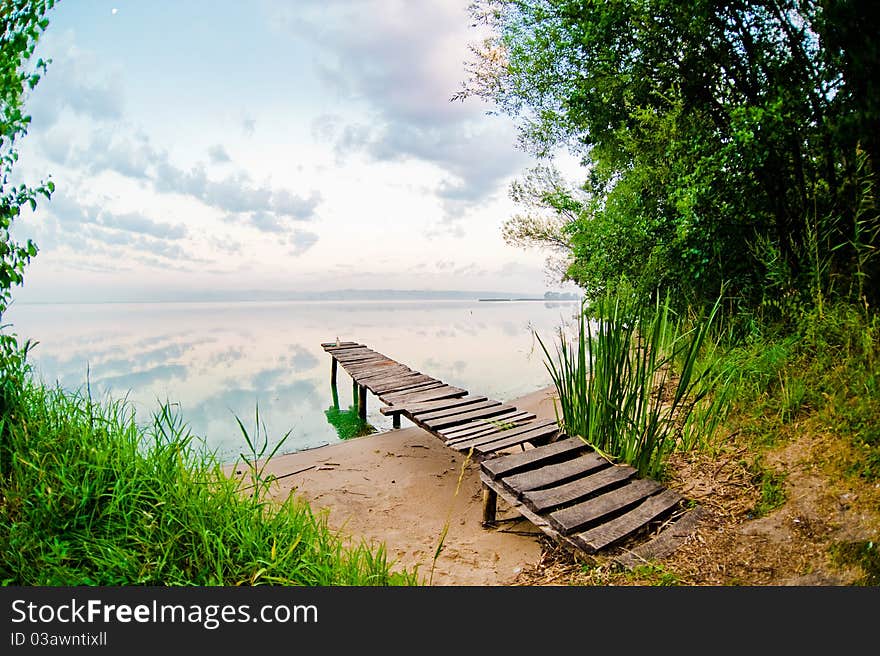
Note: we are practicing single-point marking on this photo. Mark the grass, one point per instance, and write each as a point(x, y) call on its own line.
point(629, 383)
point(771, 486)
point(89, 497)
point(864, 554)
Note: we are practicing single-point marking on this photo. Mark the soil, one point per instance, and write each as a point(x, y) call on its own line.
point(793, 544)
point(403, 489)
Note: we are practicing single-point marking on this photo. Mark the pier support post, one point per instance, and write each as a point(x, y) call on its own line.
point(333, 365)
point(354, 392)
point(395, 420)
point(362, 403)
point(490, 505)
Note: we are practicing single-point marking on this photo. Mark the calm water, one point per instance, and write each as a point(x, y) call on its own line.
point(221, 360)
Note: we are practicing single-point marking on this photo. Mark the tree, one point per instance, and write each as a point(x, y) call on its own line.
point(22, 23)
point(551, 207)
point(729, 145)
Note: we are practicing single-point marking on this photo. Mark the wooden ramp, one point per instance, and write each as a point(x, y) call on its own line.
point(559, 483)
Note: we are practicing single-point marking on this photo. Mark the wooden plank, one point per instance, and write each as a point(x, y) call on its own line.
point(358, 366)
point(343, 346)
point(480, 427)
point(402, 375)
point(516, 506)
point(621, 527)
point(580, 515)
point(536, 438)
point(509, 464)
point(490, 441)
point(388, 382)
point(541, 500)
point(375, 374)
point(426, 391)
point(484, 435)
point(483, 430)
point(453, 435)
point(405, 397)
point(402, 383)
point(367, 362)
point(667, 541)
point(351, 355)
point(442, 404)
point(480, 437)
point(354, 353)
point(434, 424)
point(375, 364)
point(449, 412)
point(554, 473)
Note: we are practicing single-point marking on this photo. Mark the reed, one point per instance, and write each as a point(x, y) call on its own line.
point(630, 379)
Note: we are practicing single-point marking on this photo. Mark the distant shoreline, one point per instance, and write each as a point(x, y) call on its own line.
point(545, 300)
point(344, 296)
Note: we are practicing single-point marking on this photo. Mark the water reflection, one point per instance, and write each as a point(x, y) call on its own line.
point(219, 361)
point(348, 423)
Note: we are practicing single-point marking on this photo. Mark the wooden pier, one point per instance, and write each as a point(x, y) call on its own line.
point(557, 482)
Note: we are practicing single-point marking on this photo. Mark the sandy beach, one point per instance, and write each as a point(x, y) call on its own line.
point(400, 488)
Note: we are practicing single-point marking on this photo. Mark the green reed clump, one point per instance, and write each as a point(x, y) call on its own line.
point(89, 497)
point(630, 380)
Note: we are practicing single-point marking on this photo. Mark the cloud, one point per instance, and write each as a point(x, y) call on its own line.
point(404, 61)
point(135, 222)
point(404, 58)
point(57, 145)
point(266, 222)
point(235, 194)
point(218, 155)
point(142, 379)
point(69, 211)
point(72, 83)
point(105, 151)
point(301, 241)
point(302, 359)
point(84, 229)
point(283, 202)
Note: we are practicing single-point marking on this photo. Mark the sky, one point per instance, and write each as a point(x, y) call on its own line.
point(271, 145)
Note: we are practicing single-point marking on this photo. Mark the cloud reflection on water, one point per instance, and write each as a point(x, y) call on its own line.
point(221, 360)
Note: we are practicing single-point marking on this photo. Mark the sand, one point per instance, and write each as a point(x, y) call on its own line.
point(400, 488)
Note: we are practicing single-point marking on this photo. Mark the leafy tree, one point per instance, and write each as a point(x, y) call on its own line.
point(551, 207)
point(22, 23)
point(728, 145)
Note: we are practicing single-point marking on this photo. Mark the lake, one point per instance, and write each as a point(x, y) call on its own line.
point(216, 361)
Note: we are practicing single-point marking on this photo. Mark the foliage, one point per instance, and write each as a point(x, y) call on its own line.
point(630, 381)
point(91, 498)
point(550, 207)
point(725, 144)
point(22, 23)
point(821, 376)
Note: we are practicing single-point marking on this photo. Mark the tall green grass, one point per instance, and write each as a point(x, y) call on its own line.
point(89, 497)
point(630, 380)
